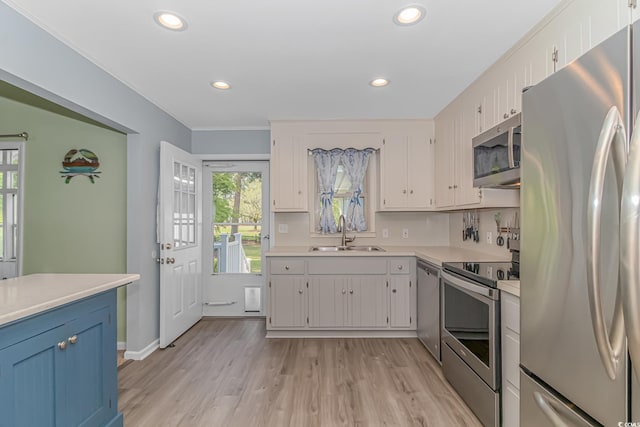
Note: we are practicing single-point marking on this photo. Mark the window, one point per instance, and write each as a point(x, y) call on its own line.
point(9, 208)
point(184, 208)
point(341, 197)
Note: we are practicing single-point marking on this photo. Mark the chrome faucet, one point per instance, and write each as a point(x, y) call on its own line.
point(342, 227)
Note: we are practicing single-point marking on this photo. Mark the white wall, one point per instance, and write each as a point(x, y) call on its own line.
point(425, 229)
point(35, 61)
point(487, 224)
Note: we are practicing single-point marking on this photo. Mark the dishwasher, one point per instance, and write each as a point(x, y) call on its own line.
point(428, 317)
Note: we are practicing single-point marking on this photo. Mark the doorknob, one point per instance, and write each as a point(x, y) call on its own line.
point(171, 260)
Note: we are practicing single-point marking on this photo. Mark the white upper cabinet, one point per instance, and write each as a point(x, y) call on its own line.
point(288, 171)
point(406, 172)
point(455, 127)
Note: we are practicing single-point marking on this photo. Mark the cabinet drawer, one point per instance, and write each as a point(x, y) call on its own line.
point(399, 266)
point(287, 266)
point(511, 312)
point(350, 265)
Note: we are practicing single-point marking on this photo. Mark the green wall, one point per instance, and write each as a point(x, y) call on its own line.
point(78, 227)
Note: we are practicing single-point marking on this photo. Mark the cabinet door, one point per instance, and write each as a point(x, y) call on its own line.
point(420, 162)
point(91, 369)
point(287, 301)
point(288, 174)
point(400, 301)
point(394, 172)
point(33, 381)
point(444, 167)
point(328, 301)
point(367, 301)
point(465, 193)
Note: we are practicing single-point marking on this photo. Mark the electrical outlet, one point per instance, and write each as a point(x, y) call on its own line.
point(489, 237)
point(405, 233)
point(283, 228)
point(385, 233)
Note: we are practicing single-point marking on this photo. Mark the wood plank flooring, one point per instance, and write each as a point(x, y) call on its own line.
point(225, 373)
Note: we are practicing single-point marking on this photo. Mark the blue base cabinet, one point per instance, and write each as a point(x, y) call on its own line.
point(59, 368)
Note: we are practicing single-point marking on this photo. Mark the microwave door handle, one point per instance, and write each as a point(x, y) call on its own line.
point(610, 344)
point(512, 163)
point(629, 256)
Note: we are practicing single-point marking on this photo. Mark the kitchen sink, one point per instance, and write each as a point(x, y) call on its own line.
point(346, 248)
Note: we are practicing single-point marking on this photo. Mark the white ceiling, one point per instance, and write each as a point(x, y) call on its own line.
point(290, 59)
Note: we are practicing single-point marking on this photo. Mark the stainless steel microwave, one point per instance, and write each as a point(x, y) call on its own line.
point(496, 155)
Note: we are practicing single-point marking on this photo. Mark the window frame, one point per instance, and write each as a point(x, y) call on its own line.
point(20, 146)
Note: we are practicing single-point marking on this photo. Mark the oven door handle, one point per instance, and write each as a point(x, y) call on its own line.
point(470, 287)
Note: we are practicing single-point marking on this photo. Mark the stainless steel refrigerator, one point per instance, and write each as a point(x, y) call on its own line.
point(580, 241)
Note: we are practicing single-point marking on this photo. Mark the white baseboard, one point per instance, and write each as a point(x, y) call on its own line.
point(122, 345)
point(306, 333)
point(139, 355)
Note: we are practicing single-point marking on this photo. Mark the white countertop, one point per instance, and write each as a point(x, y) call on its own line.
point(27, 295)
point(510, 286)
point(433, 254)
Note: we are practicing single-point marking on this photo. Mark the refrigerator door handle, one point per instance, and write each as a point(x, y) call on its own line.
point(612, 140)
point(555, 413)
point(629, 250)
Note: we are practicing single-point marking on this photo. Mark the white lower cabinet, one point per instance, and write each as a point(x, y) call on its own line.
point(341, 293)
point(287, 304)
point(510, 359)
point(344, 301)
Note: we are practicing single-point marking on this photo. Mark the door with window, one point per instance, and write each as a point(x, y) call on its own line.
point(236, 209)
point(180, 225)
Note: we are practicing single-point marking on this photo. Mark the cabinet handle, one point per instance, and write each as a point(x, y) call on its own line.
point(300, 291)
point(513, 111)
point(286, 267)
point(411, 192)
point(404, 191)
point(299, 191)
point(393, 290)
point(455, 186)
point(400, 267)
point(62, 345)
point(73, 339)
point(505, 115)
point(450, 187)
point(344, 291)
point(351, 291)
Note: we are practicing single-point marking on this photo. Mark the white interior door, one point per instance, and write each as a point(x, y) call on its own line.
point(180, 229)
point(236, 211)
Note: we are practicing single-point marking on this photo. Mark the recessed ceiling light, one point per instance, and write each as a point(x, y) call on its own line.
point(409, 15)
point(219, 84)
point(379, 82)
point(170, 20)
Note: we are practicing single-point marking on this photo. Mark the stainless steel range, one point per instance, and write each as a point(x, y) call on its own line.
point(471, 333)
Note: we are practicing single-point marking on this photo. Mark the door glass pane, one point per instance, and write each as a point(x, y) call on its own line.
point(237, 222)
point(184, 205)
point(176, 219)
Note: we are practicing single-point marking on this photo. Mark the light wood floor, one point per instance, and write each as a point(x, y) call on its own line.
point(225, 373)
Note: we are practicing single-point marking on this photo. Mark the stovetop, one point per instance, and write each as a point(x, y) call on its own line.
point(487, 273)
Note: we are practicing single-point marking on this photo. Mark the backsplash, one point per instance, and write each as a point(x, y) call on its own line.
point(424, 229)
point(487, 224)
